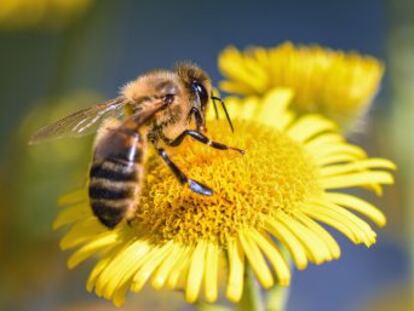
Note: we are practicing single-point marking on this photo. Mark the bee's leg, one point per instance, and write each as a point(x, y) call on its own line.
point(202, 139)
point(192, 184)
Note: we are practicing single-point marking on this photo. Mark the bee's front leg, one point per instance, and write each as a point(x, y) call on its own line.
point(194, 186)
point(202, 139)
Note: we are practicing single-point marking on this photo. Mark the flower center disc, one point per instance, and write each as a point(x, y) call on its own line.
point(275, 173)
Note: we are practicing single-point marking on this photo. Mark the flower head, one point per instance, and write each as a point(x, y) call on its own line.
point(281, 193)
point(337, 84)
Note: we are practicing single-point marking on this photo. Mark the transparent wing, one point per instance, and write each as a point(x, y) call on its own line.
point(79, 123)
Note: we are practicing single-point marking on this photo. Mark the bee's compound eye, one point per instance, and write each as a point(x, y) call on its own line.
point(168, 99)
point(201, 91)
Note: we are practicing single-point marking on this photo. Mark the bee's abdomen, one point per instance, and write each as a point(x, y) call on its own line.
point(112, 190)
point(114, 171)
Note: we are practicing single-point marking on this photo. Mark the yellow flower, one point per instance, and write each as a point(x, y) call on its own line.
point(16, 14)
point(279, 194)
point(334, 83)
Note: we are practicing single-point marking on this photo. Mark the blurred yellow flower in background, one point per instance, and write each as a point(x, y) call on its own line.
point(278, 195)
point(20, 14)
point(336, 84)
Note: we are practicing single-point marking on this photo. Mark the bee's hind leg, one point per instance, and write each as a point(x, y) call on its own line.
point(194, 186)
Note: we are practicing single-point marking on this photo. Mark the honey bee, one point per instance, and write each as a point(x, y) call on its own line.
point(159, 108)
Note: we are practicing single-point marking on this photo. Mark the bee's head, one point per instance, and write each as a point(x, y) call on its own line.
point(198, 85)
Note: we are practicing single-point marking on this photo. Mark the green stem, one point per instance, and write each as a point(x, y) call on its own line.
point(277, 298)
point(211, 307)
point(250, 301)
point(252, 298)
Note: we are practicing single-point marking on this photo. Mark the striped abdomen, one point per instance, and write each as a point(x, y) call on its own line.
point(115, 176)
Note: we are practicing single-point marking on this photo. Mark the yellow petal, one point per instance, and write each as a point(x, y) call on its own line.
point(337, 158)
point(356, 166)
point(285, 120)
point(70, 215)
point(323, 140)
point(273, 107)
point(360, 227)
point(106, 240)
point(322, 233)
point(289, 240)
point(81, 232)
point(235, 281)
point(151, 262)
point(99, 267)
point(273, 255)
point(249, 76)
point(232, 87)
point(161, 275)
point(122, 268)
point(112, 267)
point(179, 268)
point(315, 248)
point(249, 108)
point(319, 214)
point(357, 179)
point(338, 149)
point(256, 260)
point(72, 198)
point(358, 205)
point(211, 273)
point(196, 272)
point(308, 126)
point(119, 294)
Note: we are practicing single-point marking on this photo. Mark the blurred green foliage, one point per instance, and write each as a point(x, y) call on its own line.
point(32, 178)
point(50, 14)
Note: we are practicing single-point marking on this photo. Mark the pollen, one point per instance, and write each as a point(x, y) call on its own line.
point(274, 174)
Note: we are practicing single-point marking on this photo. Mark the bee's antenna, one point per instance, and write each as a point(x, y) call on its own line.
point(215, 107)
point(214, 98)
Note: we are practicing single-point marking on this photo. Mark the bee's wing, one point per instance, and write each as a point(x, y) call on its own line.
point(146, 111)
point(79, 123)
